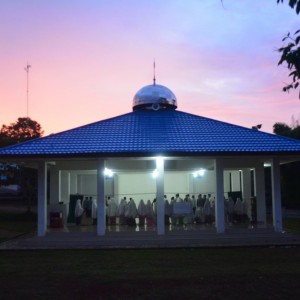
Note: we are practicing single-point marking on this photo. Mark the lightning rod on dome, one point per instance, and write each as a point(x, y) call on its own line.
point(154, 79)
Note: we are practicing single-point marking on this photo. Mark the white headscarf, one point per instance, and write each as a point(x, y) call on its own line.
point(132, 210)
point(142, 210)
point(230, 206)
point(78, 208)
point(112, 208)
point(122, 207)
point(206, 207)
point(149, 209)
point(168, 208)
point(238, 207)
point(94, 209)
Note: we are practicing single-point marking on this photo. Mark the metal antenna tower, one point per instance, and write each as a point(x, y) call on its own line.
point(27, 88)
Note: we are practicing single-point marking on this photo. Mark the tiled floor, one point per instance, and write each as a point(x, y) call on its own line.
point(145, 228)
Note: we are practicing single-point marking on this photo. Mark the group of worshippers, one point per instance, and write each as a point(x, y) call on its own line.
point(86, 211)
point(202, 210)
point(235, 211)
point(199, 211)
point(127, 211)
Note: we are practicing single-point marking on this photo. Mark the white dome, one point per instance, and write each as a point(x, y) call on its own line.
point(154, 96)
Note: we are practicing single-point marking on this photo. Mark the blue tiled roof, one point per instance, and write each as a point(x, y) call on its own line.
point(144, 132)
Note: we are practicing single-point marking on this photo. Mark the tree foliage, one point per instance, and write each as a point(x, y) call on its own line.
point(22, 130)
point(290, 52)
point(285, 130)
point(295, 4)
point(290, 173)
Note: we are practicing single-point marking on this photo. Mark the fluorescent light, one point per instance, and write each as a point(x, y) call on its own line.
point(199, 173)
point(159, 160)
point(155, 173)
point(108, 172)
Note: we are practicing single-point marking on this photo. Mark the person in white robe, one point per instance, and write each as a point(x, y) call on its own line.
point(142, 211)
point(94, 211)
point(112, 211)
point(132, 210)
point(194, 204)
point(121, 211)
point(131, 213)
point(149, 214)
point(230, 210)
point(207, 211)
point(78, 212)
point(212, 201)
point(112, 208)
point(149, 211)
point(168, 211)
point(173, 216)
point(199, 215)
point(189, 216)
point(178, 198)
point(238, 209)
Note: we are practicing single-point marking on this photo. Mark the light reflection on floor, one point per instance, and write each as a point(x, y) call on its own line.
point(144, 228)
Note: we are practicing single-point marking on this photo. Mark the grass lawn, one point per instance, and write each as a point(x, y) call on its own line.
point(226, 273)
point(210, 273)
point(16, 223)
point(292, 224)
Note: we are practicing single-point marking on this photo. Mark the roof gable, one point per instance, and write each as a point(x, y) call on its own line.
point(146, 131)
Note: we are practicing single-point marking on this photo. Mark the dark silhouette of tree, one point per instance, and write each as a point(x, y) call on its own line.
point(290, 173)
point(286, 130)
point(290, 52)
point(282, 129)
point(295, 4)
point(22, 130)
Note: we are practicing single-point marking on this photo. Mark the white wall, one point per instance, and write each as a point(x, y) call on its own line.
point(65, 186)
point(141, 185)
point(235, 181)
point(203, 185)
point(226, 181)
point(177, 182)
point(138, 185)
point(87, 184)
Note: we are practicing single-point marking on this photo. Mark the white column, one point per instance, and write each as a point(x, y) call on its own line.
point(101, 213)
point(219, 202)
point(42, 199)
point(65, 186)
point(246, 188)
point(276, 196)
point(260, 195)
point(73, 183)
point(54, 185)
point(79, 183)
point(160, 204)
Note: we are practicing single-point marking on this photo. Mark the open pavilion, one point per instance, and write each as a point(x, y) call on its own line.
point(156, 136)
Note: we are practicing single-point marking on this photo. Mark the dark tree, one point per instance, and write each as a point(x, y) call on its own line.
point(290, 172)
point(282, 129)
point(22, 130)
point(295, 4)
point(290, 52)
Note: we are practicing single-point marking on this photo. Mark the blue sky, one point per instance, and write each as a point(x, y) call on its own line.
point(89, 58)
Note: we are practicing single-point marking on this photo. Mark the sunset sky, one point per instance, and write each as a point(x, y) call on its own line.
point(89, 57)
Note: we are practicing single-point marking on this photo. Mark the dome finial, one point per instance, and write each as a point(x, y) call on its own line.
point(154, 79)
point(155, 97)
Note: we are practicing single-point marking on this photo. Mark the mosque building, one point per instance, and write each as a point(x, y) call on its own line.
point(149, 156)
